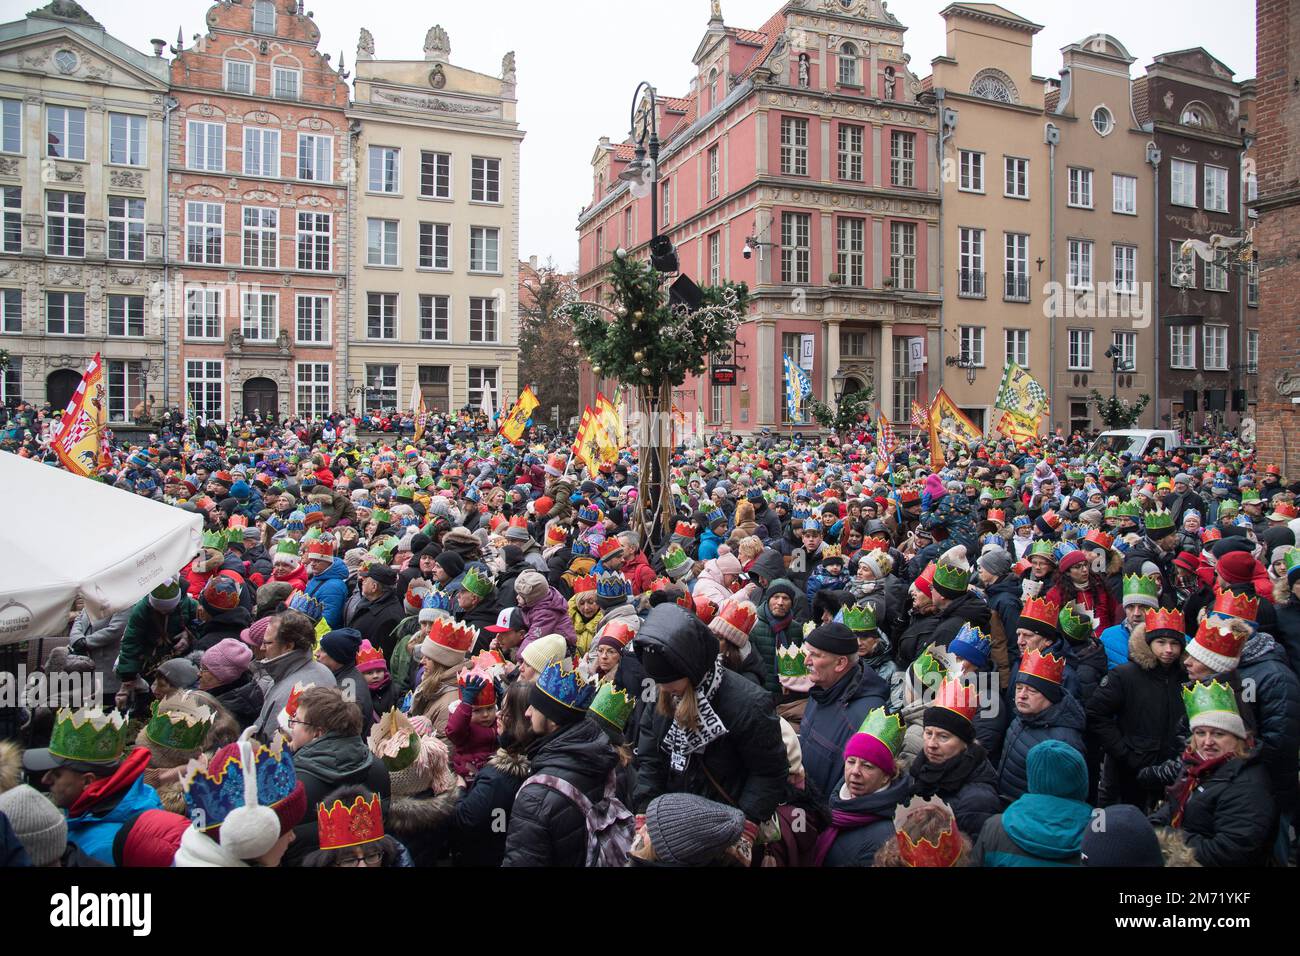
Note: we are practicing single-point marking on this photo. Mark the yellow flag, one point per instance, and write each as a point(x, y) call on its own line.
point(949, 424)
point(611, 420)
point(79, 439)
point(513, 427)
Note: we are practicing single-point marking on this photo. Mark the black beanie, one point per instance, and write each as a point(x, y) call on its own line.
point(451, 562)
point(833, 638)
point(1053, 692)
point(949, 720)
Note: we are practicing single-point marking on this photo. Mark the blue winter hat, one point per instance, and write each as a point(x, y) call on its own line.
point(972, 645)
point(342, 645)
point(240, 491)
point(1056, 769)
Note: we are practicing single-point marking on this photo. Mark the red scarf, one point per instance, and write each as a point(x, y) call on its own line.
point(1196, 770)
point(121, 780)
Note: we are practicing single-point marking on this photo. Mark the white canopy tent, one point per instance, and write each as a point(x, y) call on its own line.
point(62, 535)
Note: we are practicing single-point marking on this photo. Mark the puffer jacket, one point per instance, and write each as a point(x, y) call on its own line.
point(1230, 819)
point(550, 615)
point(966, 782)
point(330, 587)
point(1062, 721)
point(917, 637)
point(856, 844)
point(1090, 666)
point(477, 838)
point(833, 716)
point(1288, 630)
point(422, 822)
point(1277, 714)
point(546, 828)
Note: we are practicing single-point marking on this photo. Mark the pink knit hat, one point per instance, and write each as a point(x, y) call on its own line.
point(253, 634)
point(729, 564)
point(228, 659)
point(868, 748)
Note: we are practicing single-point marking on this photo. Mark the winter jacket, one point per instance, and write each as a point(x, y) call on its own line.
point(1096, 598)
point(471, 745)
point(820, 581)
point(584, 628)
point(709, 545)
point(1040, 831)
point(377, 621)
point(709, 586)
point(324, 765)
point(1287, 631)
point(220, 627)
point(833, 716)
point(856, 845)
point(296, 577)
point(968, 608)
point(1062, 721)
point(966, 782)
point(100, 641)
point(768, 521)
point(917, 637)
point(1090, 665)
point(150, 638)
point(422, 823)
point(330, 587)
point(550, 615)
point(1003, 599)
point(1115, 641)
point(277, 678)
point(102, 808)
point(477, 837)
point(1277, 715)
point(12, 852)
point(353, 685)
point(1230, 819)
point(638, 571)
point(546, 828)
point(242, 697)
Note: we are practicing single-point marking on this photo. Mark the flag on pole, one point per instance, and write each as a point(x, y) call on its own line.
point(610, 419)
point(798, 387)
point(513, 427)
point(79, 442)
point(949, 424)
point(888, 440)
point(1022, 402)
point(920, 416)
point(418, 410)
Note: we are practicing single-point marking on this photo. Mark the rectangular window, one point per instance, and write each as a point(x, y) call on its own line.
point(381, 242)
point(65, 224)
point(1126, 264)
point(1017, 345)
point(314, 398)
point(1016, 265)
point(1182, 346)
point(1216, 189)
point(261, 151)
point(972, 344)
point(902, 159)
point(314, 154)
point(1080, 188)
point(239, 76)
point(435, 175)
point(794, 146)
point(666, 187)
point(313, 325)
point(715, 258)
point(203, 313)
point(126, 389)
point(717, 396)
point(435, 245)
point(904, 382)
point(205, 146)
point(1079, 275)
point(261, 227)
point(790, 347)
point(850, 161)
point(1252, 280)
point(1124, 194)
point(713, 173)
point(1252, 351)
point(484, 180)
point(1126, 344)
point(484, 249)
point(483, 320)
point(65, 131)
point(381, 315)
point(205, 386)
point(126, 228)
point(12, 199)
point(1182, 268)
point(126, 139)
point(126, 315)
point(381, 387)
point(1216, 348)
point(1216, 277)
point(385, 169)
point(970, 263)
point(1182, 183)
point(435, 318)
point(902, 254)
point(11, 126)
point(259, 312)
point(851, 249)
point(11, 381)
point(287, 83)
point(1017, 178)
point(11, 311)
point(796, 251)
point(627, 229)
point(971, 171)
point(1080, 350)
point(203, 228)
point(853, 344)
point(65, 313)
point(483, 380)
point(314, 241)
point(435, 386)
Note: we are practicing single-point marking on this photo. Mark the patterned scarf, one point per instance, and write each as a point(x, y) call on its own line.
point(681, 742)
point(1196, 770)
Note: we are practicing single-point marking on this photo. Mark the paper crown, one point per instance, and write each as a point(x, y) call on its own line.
point(997, 516)
point(287, 547)
point(584, 584)
point(705, 609)
point(453, 635)
point(1203, 699)
point(341, 826)
point(89, 735)
point(953, 571)
point(959, 696)
point(184, 725)
point(608, 547)
point(684, 529)
point(214, 540)
point(1100, 538)
point(564, 684)
point(1051, 519)
point(370, 657)
point(612, 705)
point(1077, 623)
point(885, 727)
point(555, 465)
point(860, 618)
point(1232, 604)
point(212, 793)
point(619, 631)
point(1047, 667)
point(1164, 619)
point(1142, 585)
point(791, 661)
point(611, 584)
point(1043, 549)
point(479, 585)
point(1043, 611)
point(674, 558)
point(971, 644)
point(304, 603)
point(875, 544)
point(929, 668)
point(716, 515)
point(1129, 509)
point(1158, 520)
point(1216, 644)
point(734, 620)
point(394, 741)
point(922, 852)
point(555, 534)
point(487, 694)
point(589, 515)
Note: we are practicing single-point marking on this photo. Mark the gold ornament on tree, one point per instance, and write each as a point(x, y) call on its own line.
point(638, 356)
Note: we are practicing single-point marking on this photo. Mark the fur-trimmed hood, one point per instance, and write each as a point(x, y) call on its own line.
point(417, 814)
point(11, 765)
point(1139, 651)
point(516, 765)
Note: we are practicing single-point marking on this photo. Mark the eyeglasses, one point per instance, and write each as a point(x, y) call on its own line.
point(369, 858)
point(295, 722)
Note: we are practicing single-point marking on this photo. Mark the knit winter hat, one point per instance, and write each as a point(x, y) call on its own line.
point(1071, 559)
point(1058, 770)
point(253, 634)
point(1127, 839)
point(227, 659)
point(1237, 567)
point(166, 597)
point(37, 822)
point(873, 751)
point(451, 562)
point(530, 588)
point(996, 561)
point(179, 672)
point(688, 830)
point(544, 651)
point(342, 645)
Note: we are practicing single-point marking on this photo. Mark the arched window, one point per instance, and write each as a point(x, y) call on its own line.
point(1194, 114)
point(711, 94)
point(849, 65)
point(994, 85)
point(263, 16)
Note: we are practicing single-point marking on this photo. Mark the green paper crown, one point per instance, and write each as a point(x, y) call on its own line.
point(951, 576)
point(886, 728)
point(216, 540)
point(287, 546)
point(674, 558)
point(1249, 494)
point(927, 668)
point(860, 618)
point(1202, 698)
point(791, 661)
point(406, 493)
point(1076, 628)
point(234, 535)
point(1158, 520)
point(384, 549)
point(179, 729)
point(89, 735)
point(312, 534)
point(1228, 507)
point(1129, 509)
point(1292, 560)
point(611, 705)
point(1143, 585)
point(476, 584)
point(424, 482)
point(1043, 549)
point(380, 516)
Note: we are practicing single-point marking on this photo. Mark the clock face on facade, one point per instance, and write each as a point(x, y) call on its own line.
point(65, 60)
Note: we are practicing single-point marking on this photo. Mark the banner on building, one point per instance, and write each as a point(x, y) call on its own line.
point(79, 442)
point(915, 356)
point(798, 388)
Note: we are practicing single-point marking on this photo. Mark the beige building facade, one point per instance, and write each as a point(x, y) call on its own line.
point(434, 270)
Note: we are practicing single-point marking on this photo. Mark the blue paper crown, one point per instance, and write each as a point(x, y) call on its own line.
point(1062, 550)
point(588, 514)
point(995, 539)
point(1021, 521)
point(436, 600)
point(296, 521)
point(213, 793)
point(306, 604)
point(800, 514)
point(717, 514)
point(580, 548)
point(611, 584)
point(310, 510)
point(566, 686)
point(275, 522)
point(365, 503)
point(971, 644)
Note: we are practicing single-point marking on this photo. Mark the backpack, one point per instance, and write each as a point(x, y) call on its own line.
point(610, 825)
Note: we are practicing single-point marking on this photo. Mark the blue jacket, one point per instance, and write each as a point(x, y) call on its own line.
point(1064, 721)
point(709, 545)
point(94, 835)
point(817, 581)
point(1115, 640)
point(857, 845)
point(1045, 826)
point(330, 587)
point(831, 718)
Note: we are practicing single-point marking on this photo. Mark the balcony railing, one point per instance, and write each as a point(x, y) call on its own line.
point(970, 284)
point(1016, 287)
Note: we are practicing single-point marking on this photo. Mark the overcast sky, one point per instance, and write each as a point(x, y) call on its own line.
point(580, 60)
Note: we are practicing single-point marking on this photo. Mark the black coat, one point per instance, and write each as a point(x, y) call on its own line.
point(1288, 631)
point(221, 626)
point(967, 783)
point(1090, 666)
point(1230, 819)
point(546, 828)
point(477, 837)
point(376, 620)
point(1062, 721)
point(969, 608)
point(1277, 714)
point(916, 638)
point(242, 697)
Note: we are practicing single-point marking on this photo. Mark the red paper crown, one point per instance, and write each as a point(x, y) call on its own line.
point(556, 534)
point(291, 705)
point(1045, 666)
point(487, 695)
point(1217, 638)
point(1100, 538)
point(519, 521)
point(451, 634)
point(684, 529)
point(1164, 619)
point(496, 522)
point(1232, 604)
point(608, 546)
point(1051, 519)
point(687, 602)
point(998, 515)
point(1211, 534)
point(926, 854)
point(1020, 567)
point(619, 631)
point(237, 521)
point(959, 697)
point(342, 826)
point(370, 654)
point(584, 584)
point(875, 544)
point(320, 547)
point(705, 609)
point(658, 584)
point(1042, 610)
point(739, 614)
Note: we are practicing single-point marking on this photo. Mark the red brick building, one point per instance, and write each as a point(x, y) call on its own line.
point(258, 214)
point(1278, 167)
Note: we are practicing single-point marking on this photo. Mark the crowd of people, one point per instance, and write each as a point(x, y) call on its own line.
point(461, 652)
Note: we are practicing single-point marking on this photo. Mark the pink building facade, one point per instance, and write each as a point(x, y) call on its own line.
point(801, 163)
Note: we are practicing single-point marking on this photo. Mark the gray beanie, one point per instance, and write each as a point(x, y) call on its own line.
point(179, 672)
point(37, 822)
point(687, 830)
point(1186, 479)
point(996, 561)
point(530, 587)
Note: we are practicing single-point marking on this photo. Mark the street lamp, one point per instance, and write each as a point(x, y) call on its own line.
point(642, 174)
point(966, 363)
point(841, 382)
point(1118, 365)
